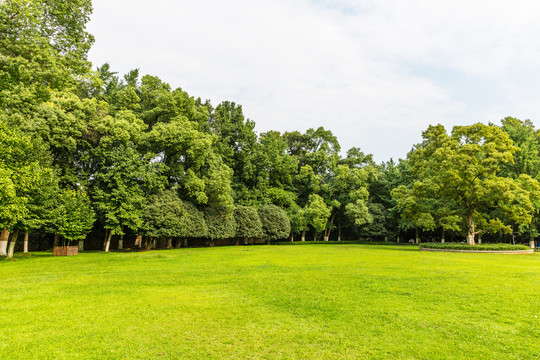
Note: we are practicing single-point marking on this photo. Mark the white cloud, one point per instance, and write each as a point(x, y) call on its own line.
point(354, 67)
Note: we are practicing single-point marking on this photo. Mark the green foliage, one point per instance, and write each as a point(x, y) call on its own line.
point(275, 223)
point(163, 215)
point(317, 213)
point(248, 223)
point(221, 224)
point(73, 216)
point(477, 247)
point(193, 224)
point(457, 175)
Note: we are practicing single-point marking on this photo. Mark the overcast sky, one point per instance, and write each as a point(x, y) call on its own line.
point(376, 73)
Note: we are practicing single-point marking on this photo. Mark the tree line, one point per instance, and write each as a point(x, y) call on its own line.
point(88, 151)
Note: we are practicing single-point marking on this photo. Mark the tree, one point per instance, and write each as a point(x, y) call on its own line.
point(220, 222)
point(461, 170)
point(248, 223)
point(43, 46)
point(163, 215)
point(317, 213)
point(118, 189)
point(73, 216)
point(275, 223)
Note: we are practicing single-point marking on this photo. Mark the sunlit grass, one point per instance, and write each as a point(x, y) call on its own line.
point(272, 302)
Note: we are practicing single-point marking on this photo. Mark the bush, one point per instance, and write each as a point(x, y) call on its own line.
point(248, 223)
point(221, 225)
point(479, 247)
point(192, 223)
point(275, 223)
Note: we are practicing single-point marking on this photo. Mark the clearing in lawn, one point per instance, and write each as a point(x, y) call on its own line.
point(271, 302)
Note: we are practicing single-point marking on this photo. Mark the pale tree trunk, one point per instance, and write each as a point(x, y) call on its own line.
point(138, 241)
point(108, 243)
point(121, 240)
point(328, 231)
point(479, 238)
point(154, 244)
point(417, 241)
point(531, 242)
point(339, 228)
point(169, 243)
point(4, 238)
point(386, 239)
point(397, 238)
point(303, 235)
point(470, 230)
point(442, 238)
point(11, 250)
point(81, 245)
point(292, 237)
point(25, 242)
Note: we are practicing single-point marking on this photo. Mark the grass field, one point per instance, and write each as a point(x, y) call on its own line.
point(271, 302)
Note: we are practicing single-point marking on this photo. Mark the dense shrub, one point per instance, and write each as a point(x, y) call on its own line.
point(192, 222)
point(275, 223)
point(221, 225)
point(479, 247)
point(248, 223)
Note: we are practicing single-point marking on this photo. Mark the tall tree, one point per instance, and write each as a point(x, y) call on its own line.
point(461, 170)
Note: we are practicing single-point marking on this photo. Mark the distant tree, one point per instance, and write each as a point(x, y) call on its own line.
point(317, 213)
point(460, 171)
point(193, 224)
point(275, 223)
point(221, 224)
point(73, 216)
point(248, 223)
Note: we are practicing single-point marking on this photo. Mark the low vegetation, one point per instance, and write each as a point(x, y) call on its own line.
point(478, 247)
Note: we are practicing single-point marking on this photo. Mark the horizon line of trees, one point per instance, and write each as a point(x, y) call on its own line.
point(85, 150)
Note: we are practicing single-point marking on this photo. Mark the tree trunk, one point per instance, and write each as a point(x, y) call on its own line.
point(107, 231)
point(531, 242)
point(11, 250)
point(385, 238)
point(121, 240)
point(153, 243)
point(470, 230)
point(339, 228)
point(169, 243)
point(25, 242)
point(4, 237)
point(138, 241)
point(303, 235)
point(397, 238)
point(108, 243)
point(417, 241)
point(442, 238)
point(55, 241)
point(292, 237)
point(479, 238)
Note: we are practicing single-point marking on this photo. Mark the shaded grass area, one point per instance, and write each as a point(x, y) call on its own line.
point(477, 247)
point(271, 302)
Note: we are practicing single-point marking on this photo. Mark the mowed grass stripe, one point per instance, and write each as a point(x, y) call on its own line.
point(272, 302)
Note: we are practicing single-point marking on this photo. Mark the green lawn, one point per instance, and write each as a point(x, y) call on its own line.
point(271, 302)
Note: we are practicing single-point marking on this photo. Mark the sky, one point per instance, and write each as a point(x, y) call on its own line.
point(376, 73)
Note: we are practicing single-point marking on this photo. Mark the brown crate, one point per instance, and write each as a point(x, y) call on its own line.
point(65, 250)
